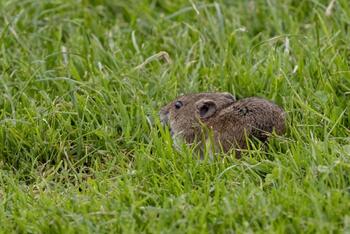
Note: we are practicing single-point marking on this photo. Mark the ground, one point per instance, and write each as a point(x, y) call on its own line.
point(81, 147)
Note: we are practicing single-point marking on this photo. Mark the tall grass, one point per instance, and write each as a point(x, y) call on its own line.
point(81, 83)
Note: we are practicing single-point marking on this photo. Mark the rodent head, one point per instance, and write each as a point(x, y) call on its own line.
point(183, 115)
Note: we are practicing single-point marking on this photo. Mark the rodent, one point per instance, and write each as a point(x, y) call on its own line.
point(230, 120)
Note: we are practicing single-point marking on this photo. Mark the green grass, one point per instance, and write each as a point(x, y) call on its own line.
point(81, 150)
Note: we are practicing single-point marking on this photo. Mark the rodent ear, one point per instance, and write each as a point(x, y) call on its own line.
point(206, 108)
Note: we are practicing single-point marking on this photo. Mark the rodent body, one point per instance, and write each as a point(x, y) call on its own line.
point(230, 121)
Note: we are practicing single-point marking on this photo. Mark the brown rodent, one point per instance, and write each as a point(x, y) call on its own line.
point(231, 121)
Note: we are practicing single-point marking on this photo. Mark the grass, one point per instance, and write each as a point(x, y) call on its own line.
point(81, 83)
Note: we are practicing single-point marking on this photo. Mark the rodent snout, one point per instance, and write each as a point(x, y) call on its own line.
point(164, 117)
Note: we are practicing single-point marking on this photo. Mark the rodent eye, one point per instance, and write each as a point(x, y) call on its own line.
point(178, 104)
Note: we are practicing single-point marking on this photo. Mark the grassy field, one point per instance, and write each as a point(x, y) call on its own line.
point(81, 82)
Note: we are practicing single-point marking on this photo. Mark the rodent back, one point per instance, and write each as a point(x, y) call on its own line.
point(251, 116)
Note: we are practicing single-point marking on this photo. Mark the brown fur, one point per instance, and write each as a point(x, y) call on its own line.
point(230, 121)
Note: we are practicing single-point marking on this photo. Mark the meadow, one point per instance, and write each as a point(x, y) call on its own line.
point(81, 146)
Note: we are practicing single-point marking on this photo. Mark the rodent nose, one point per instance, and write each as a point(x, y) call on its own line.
point(164, 117)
